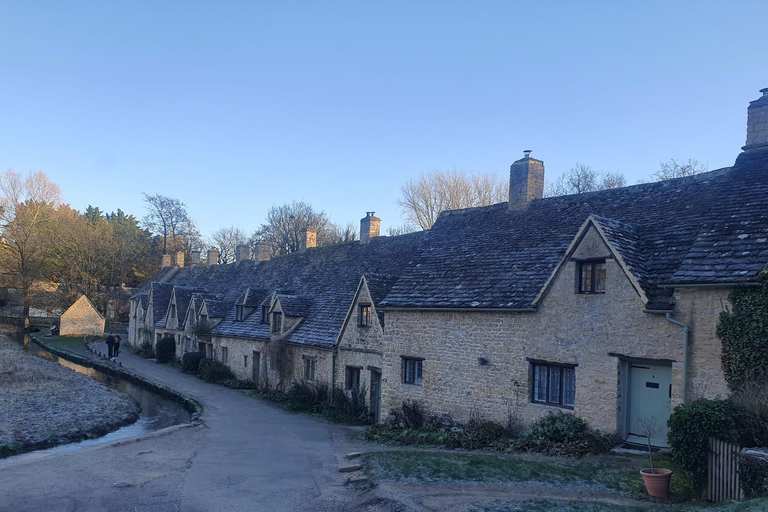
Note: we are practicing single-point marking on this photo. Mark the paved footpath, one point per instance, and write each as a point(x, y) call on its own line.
point(244, 455)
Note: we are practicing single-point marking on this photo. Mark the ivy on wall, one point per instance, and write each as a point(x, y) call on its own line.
point(744, 332)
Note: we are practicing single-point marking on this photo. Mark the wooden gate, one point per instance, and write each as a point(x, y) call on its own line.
point(723, 471)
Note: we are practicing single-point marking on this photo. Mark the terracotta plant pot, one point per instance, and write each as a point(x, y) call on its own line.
point(657, 481)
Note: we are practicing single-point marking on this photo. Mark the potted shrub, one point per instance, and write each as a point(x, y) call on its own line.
point(656, 480)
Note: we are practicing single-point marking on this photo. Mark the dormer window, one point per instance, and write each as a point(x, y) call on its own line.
point(265, 314)
point(239, 314)
point(277, 322)
point(592, 276)
point(365, 315)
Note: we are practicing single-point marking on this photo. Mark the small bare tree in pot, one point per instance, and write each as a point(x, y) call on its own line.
point(657, 480)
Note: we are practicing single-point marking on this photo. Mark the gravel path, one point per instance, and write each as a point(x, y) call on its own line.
point(43, 404)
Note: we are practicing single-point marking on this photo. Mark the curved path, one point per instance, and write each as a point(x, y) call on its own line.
point(245, 455)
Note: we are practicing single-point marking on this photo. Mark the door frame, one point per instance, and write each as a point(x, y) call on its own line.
point(375, 412)
point(625, 386)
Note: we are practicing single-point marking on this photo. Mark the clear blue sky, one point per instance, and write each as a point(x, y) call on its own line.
point(232, 107)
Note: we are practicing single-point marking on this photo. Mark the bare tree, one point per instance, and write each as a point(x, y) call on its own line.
point(403, 229)
point(423, 199)
point(582, 178)
point(285, 223)
point(31, 215)
point(674, 168)
point(168, 218)
point(226, 240)
point(341, 233)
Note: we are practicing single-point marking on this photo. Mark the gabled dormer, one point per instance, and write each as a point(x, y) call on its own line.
point(363, 326)
point(604, 257)
point(287, 312)
point(247, 303)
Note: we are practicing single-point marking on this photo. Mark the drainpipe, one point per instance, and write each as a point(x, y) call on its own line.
point(333, 372)
point(686, 337)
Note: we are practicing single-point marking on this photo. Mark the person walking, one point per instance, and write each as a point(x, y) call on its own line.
point(116, 351)
point(110, 345)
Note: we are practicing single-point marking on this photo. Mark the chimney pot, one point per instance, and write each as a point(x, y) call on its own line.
point(370, 227)
point(526, 181)
point(194, 258)
point(213, 257)
point(308, 238)
point(757, 123)
point(242, 252)
point(180, 259)
point(166, 260)
point(262, 251)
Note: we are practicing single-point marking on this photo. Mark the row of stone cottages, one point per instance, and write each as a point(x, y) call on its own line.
point(603, 303)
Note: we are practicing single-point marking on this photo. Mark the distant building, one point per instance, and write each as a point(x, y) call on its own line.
point(81, 318)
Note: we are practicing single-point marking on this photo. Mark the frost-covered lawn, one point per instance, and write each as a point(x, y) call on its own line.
point(43, 404)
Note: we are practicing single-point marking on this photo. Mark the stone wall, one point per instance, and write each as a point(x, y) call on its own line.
point(81, 319)
point(596, 332)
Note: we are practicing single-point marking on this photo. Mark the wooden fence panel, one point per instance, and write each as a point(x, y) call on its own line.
point(723, 471)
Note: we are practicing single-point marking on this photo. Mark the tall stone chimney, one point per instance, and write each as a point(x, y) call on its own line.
point(757, 123)
point(180, 259)
point(213, 257)
point(262, 251)
point(308, 238)
point(526, 181)
point(370, 227)
point(194, 258)
point(166, 261)
point(242, 253)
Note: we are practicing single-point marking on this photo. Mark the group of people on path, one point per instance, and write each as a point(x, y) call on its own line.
point(113, 346)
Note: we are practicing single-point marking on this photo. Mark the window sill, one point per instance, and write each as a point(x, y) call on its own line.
point(555, 406)
point(412, 384)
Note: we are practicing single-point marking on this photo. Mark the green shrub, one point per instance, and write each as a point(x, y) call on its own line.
point(190, 362)
point(214, 371)
point(165, 350)
point(690, 427)
point(145, 350)
point(753, 476)
point(563, 434)
point(476, 436)
point(238, 384)
point(751, 402)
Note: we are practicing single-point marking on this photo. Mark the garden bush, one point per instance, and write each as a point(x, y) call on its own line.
point(477, 435)
point(753, 475)
point(145, 350)
point(690, 427)
point(563, 434)
point(165, 350)
point(190, 362)
point(214, 371)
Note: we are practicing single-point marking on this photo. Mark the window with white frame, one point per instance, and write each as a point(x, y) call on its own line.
point(553, 384)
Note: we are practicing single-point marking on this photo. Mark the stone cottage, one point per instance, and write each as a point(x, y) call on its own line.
point(310, 316)
point(81, 318)
point(603, 303)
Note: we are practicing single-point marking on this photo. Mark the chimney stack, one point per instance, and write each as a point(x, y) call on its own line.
point(180, 259)
point(526, 181)
point(213, 257)
point(308, 238)
point(194, 258)
point(262, 251)
point(370, 227)
point(757, 123)
point(242, 252)
point(166, 261)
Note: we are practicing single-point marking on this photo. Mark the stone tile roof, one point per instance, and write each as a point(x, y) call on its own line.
point(705, 229)
point(161, 296)
point(323, 280)
point(295, 305)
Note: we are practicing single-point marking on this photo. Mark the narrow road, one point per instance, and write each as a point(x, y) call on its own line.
point(245, 455)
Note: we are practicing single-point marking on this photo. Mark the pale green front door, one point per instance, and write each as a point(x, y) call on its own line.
point(649, 403)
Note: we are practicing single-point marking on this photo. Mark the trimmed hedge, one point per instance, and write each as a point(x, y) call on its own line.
point(690, 427)
point(214, 371)
point(564, 434)
point(165, 350)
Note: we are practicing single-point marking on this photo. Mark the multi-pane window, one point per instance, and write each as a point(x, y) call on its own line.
point(264, 314)
point(353, 377)
point(239, 313)
point(309, 369)
point(277, 321)
point(365, 315)
point(554, 385)
point(592, 277)
point(412, 370)
point(224, 355)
